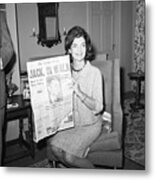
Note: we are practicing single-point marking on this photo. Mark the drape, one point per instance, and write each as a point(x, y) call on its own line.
point(139, 40)
point(139, 43)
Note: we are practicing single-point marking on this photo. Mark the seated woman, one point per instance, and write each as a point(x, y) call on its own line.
point(72, 145)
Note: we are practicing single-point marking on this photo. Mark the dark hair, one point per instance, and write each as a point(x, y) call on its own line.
point(77, 32)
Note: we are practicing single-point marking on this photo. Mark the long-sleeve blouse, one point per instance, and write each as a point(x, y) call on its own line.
point(90, 81)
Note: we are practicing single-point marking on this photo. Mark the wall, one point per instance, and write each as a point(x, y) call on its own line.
point(70, 14)
point(127, 39)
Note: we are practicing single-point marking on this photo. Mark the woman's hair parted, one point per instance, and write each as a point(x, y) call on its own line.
point(77, 32)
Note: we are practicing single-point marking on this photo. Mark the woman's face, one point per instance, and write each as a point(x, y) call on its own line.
point(78, 49)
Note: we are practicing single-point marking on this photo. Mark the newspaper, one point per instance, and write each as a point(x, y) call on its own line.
point(51, 95)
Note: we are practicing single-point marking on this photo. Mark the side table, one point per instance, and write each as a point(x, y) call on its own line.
point(138, 77)
point(23, 110)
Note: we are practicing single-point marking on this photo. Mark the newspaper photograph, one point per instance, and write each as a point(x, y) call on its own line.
point(51, 95)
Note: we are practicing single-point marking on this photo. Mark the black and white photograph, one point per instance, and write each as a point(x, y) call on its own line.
point(105, 43)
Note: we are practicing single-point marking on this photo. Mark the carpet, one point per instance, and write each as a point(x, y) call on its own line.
point(42, 164)
point(46, 164)
point(134, 133)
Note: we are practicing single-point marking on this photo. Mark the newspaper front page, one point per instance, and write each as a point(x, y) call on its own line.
point(51, 95)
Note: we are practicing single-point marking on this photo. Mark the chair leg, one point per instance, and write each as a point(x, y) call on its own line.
point(53, 164)
point(57, 164)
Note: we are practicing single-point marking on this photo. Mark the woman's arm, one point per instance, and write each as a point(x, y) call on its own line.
point(87, 100)
point(94, 103)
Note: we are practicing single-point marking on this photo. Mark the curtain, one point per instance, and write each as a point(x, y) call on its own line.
point(139, 42)
point(6, 46)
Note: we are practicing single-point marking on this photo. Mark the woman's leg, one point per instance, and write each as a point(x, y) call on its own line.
point(75, 161)
point(70, 160)
point(58, 154)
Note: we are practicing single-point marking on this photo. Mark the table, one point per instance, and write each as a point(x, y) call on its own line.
point(19, 113)
point(138, 77)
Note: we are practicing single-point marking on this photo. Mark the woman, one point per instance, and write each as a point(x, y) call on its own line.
point(72, 145)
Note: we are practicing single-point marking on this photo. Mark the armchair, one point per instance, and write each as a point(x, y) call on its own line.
point(107, 149)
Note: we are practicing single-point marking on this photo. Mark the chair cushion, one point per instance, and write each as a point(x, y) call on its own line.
point(107, 158)
point(107, 141)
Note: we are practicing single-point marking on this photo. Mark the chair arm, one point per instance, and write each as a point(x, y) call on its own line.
point(117, 118)
point(106, 142)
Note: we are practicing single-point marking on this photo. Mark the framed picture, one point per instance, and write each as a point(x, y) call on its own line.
point(48, 24)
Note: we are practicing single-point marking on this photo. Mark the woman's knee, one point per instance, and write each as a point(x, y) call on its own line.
point(69, 158)
point(54, 149)
point(57, 152)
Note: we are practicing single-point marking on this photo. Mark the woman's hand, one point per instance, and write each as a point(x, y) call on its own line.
point(88, 101)
point(76, 88)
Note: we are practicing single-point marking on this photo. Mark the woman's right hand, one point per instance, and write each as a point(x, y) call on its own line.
point(76, 88)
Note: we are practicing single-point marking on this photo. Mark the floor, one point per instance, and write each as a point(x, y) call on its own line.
point(13, 152)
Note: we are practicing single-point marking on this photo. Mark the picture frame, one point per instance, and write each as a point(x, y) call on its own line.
point(48, 24)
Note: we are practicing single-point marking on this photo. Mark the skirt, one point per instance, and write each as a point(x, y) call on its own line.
point(77, 140)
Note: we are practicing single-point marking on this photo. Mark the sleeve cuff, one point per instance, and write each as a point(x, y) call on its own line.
point(98, 109)
point(1, 64)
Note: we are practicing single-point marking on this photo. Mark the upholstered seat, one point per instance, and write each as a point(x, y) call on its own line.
point(107, 149)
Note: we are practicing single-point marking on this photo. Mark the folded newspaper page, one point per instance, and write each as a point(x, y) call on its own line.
point(51, 95)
